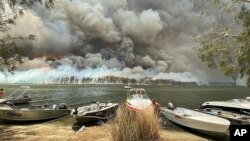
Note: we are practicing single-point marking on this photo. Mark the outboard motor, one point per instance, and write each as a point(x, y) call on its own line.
point(247, 98)
point(9, 104)
point(62, 106)
point(45, 105)
point(170, 105)
point(75, 111)
point(54, 106)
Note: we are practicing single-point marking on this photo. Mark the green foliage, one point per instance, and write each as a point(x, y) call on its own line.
point(10, 53)
point(244, 38)
point(224, 49)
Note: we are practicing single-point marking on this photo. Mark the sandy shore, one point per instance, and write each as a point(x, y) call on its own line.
point(48, 132)
point(53, 131)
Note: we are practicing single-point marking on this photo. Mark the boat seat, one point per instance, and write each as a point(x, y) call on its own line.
point(93, 107)
point(109, 104)
point(102, 105)
point(83, 109)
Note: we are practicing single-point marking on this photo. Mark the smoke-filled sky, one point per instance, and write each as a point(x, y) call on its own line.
point(129, 38)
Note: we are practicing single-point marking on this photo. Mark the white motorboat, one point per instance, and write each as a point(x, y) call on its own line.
point(33, 113)
point(137, 99)
point(196, 120)
point(21, 98)
point(240, 106)
point(95, 112)
point(234, 118)
point(127, 86)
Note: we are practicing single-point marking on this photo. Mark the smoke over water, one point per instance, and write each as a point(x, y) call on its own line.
point(123, 38)
point(101, 75)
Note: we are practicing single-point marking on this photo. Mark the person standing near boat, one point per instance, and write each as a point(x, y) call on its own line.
point(138, 94)
point(1, 93)
point(156, 106)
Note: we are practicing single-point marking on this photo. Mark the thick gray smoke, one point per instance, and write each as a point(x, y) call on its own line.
point(147, 37)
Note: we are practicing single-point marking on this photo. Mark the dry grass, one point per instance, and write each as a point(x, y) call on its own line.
point(135, 126)
point(61, 130)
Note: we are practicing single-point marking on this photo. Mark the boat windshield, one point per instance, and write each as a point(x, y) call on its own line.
point(19, 92)
point(138, 94)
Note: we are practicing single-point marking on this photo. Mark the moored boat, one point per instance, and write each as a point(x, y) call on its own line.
point(22, 98)
point(202, 122)
point(127, 86)
point(137, 99)
point(234, 118)
point(32, 113)
point(240, 106)
point(95, 112)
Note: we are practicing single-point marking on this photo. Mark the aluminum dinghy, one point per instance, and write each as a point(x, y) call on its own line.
point(240, 106)
point(234, 118)
point(33, 113)
point(22, 98)
point(94, 112)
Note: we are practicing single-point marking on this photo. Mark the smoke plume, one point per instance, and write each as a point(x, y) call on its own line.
point(134, 39)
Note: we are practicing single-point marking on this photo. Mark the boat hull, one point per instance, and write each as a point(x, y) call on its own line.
point(32, 115)
point(138, 104)
point(19, 101)
point(236, 107)
point(234, 118)
point(91, 117)
point(206, 126)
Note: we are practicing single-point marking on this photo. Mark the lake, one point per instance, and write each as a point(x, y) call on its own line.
point(77, 95)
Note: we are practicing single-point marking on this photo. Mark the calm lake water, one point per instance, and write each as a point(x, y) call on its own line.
point(77, 95)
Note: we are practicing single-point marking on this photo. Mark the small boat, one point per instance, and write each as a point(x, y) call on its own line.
point(127, 86)
point(22, 98)
point(94, 112)
point(33, 113)
point(240, 106)
point(202, 122)
point(137, 99)
point(234, 118)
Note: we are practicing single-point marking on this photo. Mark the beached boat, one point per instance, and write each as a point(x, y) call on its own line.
point(137, 99)
point(202, 122)
point(21, 98)
point(234, 118)
point(127, 86)
point(240, 106)
point(94, 112)
point(33, 113)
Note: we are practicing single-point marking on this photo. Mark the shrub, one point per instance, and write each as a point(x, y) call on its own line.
point(135, 126)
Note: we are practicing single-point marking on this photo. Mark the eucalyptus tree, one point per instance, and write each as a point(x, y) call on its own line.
point(226, 48)
point(10, 53)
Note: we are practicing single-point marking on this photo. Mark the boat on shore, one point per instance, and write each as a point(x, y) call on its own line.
point(240, 106)
point(32, 113)
point(195, 120)
point(234, 118)
point(21, 98)
point(95, 112)
point(137, 99)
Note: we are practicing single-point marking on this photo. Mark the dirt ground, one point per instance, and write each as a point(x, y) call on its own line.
point(54, 132)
